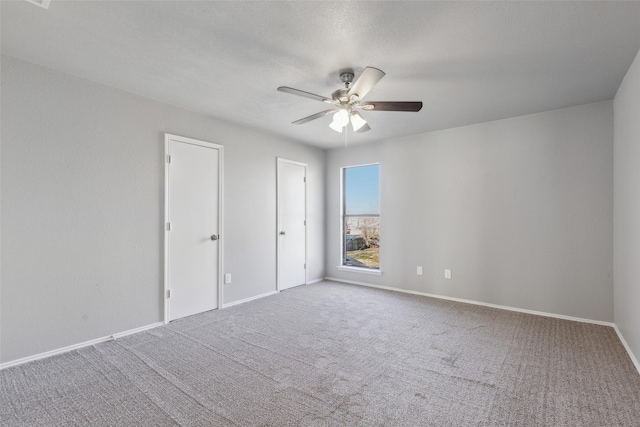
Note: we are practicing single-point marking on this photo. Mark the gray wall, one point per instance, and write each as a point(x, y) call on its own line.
point(520, 209)
point(82, 181)
point(627, 207)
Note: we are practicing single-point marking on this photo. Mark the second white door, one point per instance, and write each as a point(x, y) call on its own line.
point(292, 239)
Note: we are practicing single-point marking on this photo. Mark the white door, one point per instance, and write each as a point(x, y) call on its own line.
point(292, 241)
point(193, 226)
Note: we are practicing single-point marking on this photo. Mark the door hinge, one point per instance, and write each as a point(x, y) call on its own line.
point(168, 226)
point(168, 293)
point(304, 179)
point(305, 222)
point(305, 266)
point(168, 158)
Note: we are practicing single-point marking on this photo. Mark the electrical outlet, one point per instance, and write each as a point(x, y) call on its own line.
point(227, 278)
point(419, 270)
point(447, 274)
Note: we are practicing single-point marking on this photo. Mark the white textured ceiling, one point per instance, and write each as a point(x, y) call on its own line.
point(469, 62)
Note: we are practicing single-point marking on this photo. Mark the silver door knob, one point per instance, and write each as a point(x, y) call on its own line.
point(282, 233)
point(214, 237)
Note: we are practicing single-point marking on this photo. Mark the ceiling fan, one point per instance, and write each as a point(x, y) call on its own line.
point(346, 102)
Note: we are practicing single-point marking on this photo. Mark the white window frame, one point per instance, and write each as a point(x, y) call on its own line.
point(341, 266)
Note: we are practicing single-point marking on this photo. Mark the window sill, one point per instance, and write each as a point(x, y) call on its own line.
point(359, 270)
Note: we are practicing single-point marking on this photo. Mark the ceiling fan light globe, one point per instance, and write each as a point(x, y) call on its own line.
point(341, 118)
point(336, 126)
point(357, 121)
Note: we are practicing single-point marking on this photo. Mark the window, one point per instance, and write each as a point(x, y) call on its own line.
point(361, 217)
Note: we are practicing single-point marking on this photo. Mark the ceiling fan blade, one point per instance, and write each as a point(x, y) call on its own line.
point(298, 92)
point(391, 106)
point(313, 117)
point(364, 128)
point(367, 80)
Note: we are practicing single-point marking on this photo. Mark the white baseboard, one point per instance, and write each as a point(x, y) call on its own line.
point(242, 301)
point(136, 330)
point(466, 301)
point(626, 346)
point(311, 282)
point(77, 346)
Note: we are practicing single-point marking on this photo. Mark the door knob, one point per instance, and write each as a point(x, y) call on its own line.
point(214, 237)
point(282, 233)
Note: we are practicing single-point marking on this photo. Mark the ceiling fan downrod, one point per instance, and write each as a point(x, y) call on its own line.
point(346, 78)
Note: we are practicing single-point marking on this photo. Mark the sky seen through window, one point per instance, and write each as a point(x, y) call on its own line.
point(362, 190)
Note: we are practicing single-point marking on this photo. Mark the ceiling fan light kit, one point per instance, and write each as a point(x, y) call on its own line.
point(348, 100)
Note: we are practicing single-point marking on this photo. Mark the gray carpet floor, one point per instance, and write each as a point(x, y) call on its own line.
point(332, 354)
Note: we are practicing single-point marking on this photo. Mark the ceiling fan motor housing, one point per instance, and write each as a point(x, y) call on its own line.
point(341, 95)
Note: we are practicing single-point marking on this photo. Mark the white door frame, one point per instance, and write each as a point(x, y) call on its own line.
point(280, 161)
point(169, 137)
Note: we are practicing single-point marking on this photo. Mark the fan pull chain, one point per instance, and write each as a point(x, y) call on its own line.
point(346, 137)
